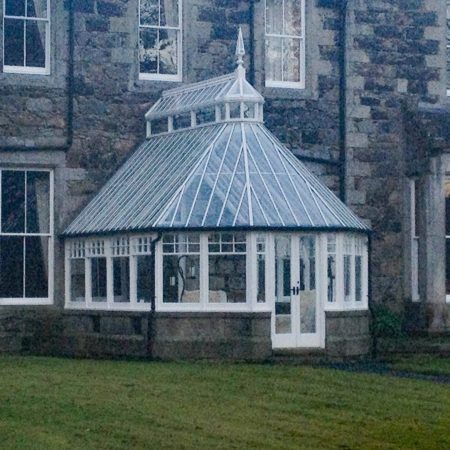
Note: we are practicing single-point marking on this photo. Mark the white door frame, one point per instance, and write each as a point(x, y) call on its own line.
point(295, 338)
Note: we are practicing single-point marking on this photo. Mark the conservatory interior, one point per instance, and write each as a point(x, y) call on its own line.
point(212, 214)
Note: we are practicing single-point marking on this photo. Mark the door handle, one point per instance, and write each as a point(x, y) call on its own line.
point(295, 290)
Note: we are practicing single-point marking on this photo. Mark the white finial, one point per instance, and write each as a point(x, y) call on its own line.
point(240, 49)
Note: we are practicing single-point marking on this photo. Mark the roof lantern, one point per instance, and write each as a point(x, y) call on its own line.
point(222, 99)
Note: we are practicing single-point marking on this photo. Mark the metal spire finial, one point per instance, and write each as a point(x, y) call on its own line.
point(240, 49)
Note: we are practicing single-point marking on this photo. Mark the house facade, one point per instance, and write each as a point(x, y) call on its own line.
point(356, 90)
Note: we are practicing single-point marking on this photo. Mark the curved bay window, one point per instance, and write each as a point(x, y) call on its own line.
point(26, 231)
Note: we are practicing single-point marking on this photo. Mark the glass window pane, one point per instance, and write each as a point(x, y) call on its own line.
point(283, 319)
point(447, 208)
point(149, 12)
point(121, 280)
point(181, 121)
point(38, 202)
point(291, 60)
point(14, 42)
point(37, 8)
point(206, 115)
point(358, 278)
point(181, 278)
point(293, 17)
point(15, 7)
point(274, 16)
point(347, 277)
point(144, 279)
point(13, 201)
point(11, 267)
point(36, 37)
point(160, 126)
point(77, 280)
point(168, 52)
point(235, 110)
point(148, 51)
point(261, 275)
point(249, 110)
point(227, 279)
point(169, 13)
point(98, 279)
point(308, 294)
point(331, 276)
point(273, 59)
point(36, 267)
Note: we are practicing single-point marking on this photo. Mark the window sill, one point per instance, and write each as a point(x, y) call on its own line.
point(19, 70)
point(155, 77)
point(25, 301)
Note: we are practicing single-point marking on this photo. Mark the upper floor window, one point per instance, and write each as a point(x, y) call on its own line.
point(26, 36)
point(160, 40)
point(285, 43)
point(26, 236)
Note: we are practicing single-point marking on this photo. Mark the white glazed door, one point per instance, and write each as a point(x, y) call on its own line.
point(296, 312)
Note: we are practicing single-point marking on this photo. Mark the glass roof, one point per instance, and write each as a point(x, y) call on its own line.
point(223, 175)
point(232, 175)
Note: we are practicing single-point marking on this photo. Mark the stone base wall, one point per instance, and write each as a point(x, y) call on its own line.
point(347, 334)
point(236, 336)
point(102, 334)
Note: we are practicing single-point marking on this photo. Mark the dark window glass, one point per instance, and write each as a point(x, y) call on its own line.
point(35, 43)
point(121, 279)
point(144, 279)
point(11, 266)
point(13, 201)
point(38, 202)
point(148, 52)
point(15, 7)
point(37, 8)
point(149, 12)
point(36, 267)
point(169, 13)
point(98, 279)
point(447, 216)
point(14, 42)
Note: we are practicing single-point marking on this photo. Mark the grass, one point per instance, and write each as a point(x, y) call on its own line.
point(423, 363)
point(60, 404)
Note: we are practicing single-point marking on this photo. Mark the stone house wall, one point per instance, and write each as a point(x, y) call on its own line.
point(93, 107)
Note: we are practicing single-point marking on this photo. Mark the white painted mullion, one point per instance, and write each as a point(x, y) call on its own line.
point(67, 273)
point(204, 270)
point(133, 278)
point(158, 274)
point(88, 281)
point(251, 268)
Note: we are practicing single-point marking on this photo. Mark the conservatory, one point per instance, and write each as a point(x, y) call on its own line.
point(212, 215)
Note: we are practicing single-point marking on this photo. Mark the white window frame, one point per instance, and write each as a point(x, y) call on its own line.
point(50, 235)
point(28, 69)
point(358, 247)
point(250, 304)
point(302, 38)
point(158, 76)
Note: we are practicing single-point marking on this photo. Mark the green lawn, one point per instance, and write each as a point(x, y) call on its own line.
point(423, 363)
point(80, 404)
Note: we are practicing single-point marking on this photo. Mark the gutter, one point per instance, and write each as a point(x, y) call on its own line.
point(151, 327)
point(70, 91)
point(343, 101)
